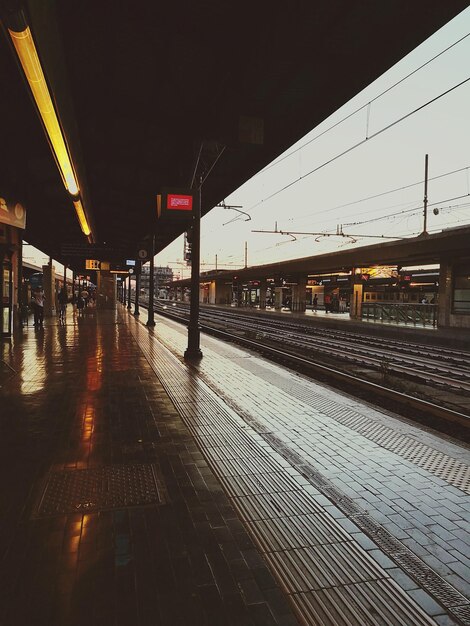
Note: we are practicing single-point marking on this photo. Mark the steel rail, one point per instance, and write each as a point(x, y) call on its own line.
point(397, 396)
point(403, 399)
point(407, 363)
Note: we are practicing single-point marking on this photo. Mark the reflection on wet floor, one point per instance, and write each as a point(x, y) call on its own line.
point(85, 424)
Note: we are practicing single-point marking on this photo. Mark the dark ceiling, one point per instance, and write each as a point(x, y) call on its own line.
point(140, 86)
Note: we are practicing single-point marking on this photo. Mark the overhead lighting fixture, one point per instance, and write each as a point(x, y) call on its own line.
point(82, 217)
point(28, 56)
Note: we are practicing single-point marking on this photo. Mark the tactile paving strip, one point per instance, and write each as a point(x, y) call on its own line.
point(317, 567)
point(100, 488)
point(445, 593)
point(361, 604)
point(453, 471)
point(462, 613)
point(319, 563)
point(297, 532)
point(425, 456)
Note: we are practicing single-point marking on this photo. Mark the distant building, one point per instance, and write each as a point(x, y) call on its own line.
point(162, 276)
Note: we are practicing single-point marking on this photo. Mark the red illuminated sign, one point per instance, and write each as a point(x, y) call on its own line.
point(178, 202)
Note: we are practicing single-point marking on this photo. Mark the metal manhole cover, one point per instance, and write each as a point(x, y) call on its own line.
point(432, 582)
point(100, 488)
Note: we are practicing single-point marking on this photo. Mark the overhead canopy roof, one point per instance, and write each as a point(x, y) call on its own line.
point(139, 86)
point(450, 244)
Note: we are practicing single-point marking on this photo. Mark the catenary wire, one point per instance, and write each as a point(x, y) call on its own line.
point(358, 144)
point(344, 119)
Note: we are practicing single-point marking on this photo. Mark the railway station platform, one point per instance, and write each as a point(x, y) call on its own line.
point(137, 489)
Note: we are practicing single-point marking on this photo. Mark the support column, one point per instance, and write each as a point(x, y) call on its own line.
point(106, 289)
point(212, 292)
point(74, 280)
point(193, 351)
point(278, 298)
point(48, 278)
point(445, 295)
point(151, 312)
point(137, 294)
point(263, 285)
point(223, 293)
point(20, 290)
point(129, 305)
point(355, 309)
point(299, 300)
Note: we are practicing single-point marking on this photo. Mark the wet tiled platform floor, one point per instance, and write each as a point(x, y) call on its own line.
point(138, 490)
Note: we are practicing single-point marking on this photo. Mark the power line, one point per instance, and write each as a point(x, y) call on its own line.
point(384, 193)
point(344, 119)
point(358, 144)
point(406, 211)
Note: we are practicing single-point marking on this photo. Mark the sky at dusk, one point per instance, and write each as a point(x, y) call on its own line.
point(325, 191)
point(334, 194)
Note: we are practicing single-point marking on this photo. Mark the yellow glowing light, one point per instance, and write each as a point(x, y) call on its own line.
point(81, 217)
point(26, 51)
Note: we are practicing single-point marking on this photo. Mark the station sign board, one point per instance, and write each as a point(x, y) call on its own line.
point(129, 266)
point(176, 204)
point(92, 251)
point(12, 213)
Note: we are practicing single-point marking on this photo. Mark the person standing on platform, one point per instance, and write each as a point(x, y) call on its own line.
point(327, 301)
point(38, 307)
point(85, 295)
point(315, 303)
point(80, 304)
point(63, 299)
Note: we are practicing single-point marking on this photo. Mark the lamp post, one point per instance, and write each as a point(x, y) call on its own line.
point(425, 201)
point(129, 306)
point(193, 351)
point(137, 290)
point(151, 317)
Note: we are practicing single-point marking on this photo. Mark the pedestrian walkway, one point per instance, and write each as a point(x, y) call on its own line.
point(110, 514)
point(137, 489)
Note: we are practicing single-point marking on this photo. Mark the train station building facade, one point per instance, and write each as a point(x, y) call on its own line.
point(380, 281)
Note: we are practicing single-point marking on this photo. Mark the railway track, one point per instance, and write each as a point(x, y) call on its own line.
point(312, 350)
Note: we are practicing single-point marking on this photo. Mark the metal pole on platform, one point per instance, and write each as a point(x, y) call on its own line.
point(21, 301)
point(425, 202)
point(193, 351)
point(151, 317)
point(137, 289)
point(129, 306)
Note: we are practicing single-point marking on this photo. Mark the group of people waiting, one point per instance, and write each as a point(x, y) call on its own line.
point(332, 303)
point(83, 299)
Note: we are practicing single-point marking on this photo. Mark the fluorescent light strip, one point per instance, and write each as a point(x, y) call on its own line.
point(26, 51)
point(81, 217)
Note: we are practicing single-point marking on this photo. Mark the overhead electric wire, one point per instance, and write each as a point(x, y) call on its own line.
point(407, 211)
point(360, 143)
point(384, 193)
point(344, 119)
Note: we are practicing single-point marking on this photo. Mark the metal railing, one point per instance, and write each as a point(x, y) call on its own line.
point(408, 314)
